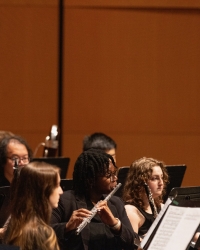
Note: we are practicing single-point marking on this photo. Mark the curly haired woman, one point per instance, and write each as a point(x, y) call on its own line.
point(143, 191)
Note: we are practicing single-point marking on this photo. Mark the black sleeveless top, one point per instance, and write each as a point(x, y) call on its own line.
point(149, 219)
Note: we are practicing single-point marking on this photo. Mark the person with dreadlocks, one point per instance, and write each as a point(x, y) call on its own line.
point(94, 177)
point(143, 191)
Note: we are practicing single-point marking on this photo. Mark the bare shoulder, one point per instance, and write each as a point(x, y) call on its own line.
point(135, 217)
point(131, 209)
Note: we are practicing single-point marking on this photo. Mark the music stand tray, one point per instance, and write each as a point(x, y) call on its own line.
point(61, 162)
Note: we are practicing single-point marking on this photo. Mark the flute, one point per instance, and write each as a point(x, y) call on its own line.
point(151, 200)
point(94, 210)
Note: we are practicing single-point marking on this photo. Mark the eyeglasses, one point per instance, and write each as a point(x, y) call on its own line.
point(111, 175)
point(24, 160)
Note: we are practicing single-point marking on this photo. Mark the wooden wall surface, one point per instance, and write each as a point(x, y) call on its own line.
point(29, 65)
point(131, 70)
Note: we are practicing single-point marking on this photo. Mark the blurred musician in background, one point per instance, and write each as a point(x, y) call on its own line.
point(94, 175)
point(12, 149)
point(100, 141)
point(35, 192)
point(143, 191)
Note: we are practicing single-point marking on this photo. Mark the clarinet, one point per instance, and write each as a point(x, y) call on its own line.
point(151, 200)
point(94, 210)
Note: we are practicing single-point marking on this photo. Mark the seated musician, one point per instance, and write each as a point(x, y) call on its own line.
point(143, 191)
point(100, 141)
point(12, 148)
point(36, 190)
point(94, 175)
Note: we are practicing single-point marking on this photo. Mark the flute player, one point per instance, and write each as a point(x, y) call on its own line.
point(94, 177)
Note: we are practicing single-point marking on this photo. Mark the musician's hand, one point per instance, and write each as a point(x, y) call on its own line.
point(76, 218)
point(105, 214)
point(2, 230)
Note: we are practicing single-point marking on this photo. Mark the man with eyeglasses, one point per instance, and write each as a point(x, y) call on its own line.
point(13, 150)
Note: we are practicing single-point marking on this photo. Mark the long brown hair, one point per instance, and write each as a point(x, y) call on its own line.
point(140, 171)
point(30, 207)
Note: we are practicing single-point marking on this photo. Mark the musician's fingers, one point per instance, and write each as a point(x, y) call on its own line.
point(80, 213)
point(80, 219)
point(83, 214)
point(103, 207)
point(74, 222)
point(83, 210)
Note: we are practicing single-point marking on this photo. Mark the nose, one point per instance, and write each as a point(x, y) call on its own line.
point(60, 190)
point(161, 181)
point(114, 177)
point(20, 162)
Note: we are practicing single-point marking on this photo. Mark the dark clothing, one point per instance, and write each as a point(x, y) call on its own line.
point(3, 181)
point(4, 199)
point(149, 219)
point(96, 235)
point(4, 204)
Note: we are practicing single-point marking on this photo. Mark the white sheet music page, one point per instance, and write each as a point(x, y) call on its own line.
point(176, 229)
point(156, 221)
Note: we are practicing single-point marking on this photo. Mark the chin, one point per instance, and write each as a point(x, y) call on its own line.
point(158, 194)
point(54, 205)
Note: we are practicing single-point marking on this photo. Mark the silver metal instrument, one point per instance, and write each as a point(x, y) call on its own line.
point(151, 200)
point(94, 210)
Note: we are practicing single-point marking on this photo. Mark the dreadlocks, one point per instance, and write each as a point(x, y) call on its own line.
point(90, 165)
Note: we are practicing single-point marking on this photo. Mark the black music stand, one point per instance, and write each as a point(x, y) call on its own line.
point(186, 193)
point(61, 162)
point(4, 204)
point(121, 175)
point(176, 174)
point(181, 197)
point(187, 197)
point(66, 184)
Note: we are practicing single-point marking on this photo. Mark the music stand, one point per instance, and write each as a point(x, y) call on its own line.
point(121, 175)
point(187, 197)
point(4, 204)
point(180, 197)
point(66, 184)
point(186, 193)
point(176, 174)
point(61, 162)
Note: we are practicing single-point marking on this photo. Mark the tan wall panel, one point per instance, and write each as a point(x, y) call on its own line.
point(168, 148)
point(29, 65)
point(133, 74)
point(133, 4)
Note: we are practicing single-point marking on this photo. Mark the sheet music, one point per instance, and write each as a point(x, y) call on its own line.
point(155, 223)
point(176, 229)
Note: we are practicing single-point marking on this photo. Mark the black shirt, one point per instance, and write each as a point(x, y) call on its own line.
point(3, 181)
point(96, 235)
